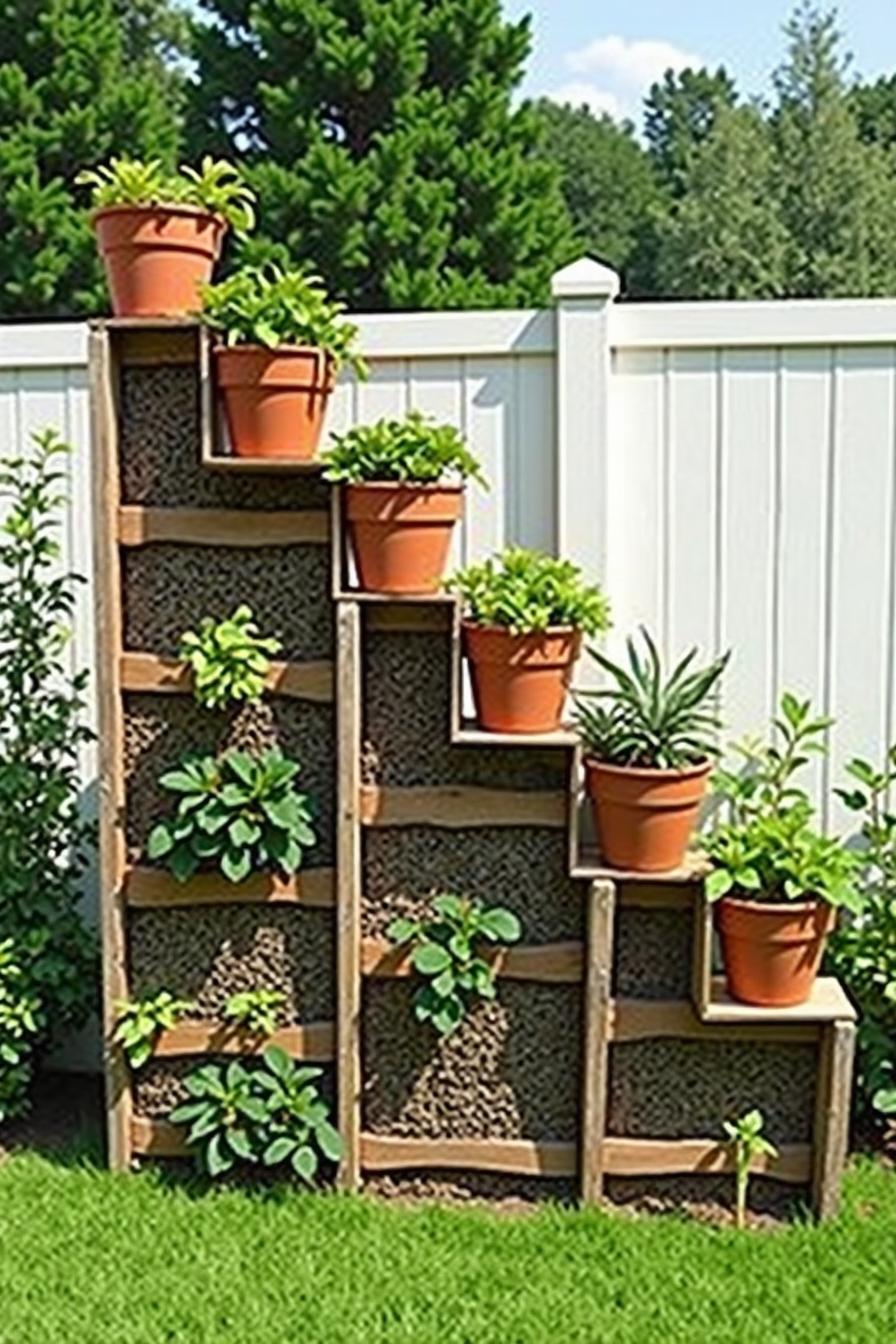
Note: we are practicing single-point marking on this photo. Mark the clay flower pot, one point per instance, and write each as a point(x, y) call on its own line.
point(274, 400)
point(401, 533)
point(771, 951)
point(156, 257)
point(520, 682)
point(645, 817)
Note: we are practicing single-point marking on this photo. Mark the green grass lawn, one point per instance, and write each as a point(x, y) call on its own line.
point(101, 1259)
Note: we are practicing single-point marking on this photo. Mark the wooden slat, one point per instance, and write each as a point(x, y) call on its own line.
point(828, 1002)
point(701, 957)
point(832, 1107)
point(313, 1041)
point(157, 1138)
point(597, 1023)
point(157, 345)
point(416, 619)
point(652, 1019)
point(551, 963)
point(455, 807)
point(138, 526)
point(154, 888)
point(348, 845)
point(147, 672)
point(654, 896)
point(520, 1157)
point(685, 1157)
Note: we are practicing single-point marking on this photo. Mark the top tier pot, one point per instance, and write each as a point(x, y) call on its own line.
point(275, 401)
point(156, 257)
point(401, 533)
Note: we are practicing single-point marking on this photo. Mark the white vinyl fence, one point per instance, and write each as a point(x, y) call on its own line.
point(727, 469)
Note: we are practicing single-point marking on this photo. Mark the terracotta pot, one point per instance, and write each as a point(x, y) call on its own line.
point(645, 817)
point(520, 681)
point(772, 952)
point(156, 257)
point(274, 400)
point(401, 533)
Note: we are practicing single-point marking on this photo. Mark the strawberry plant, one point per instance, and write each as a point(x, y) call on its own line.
point(255, 1010)
point(216, 186)
point(413, 449)
point(527, 591)
point(229, 660)
point(140, 1022)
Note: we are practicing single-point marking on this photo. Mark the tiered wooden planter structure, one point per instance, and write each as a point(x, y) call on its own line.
point(611, 1055)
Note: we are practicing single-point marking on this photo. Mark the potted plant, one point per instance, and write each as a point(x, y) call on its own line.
point(160, 233)
point(403, 495)
point(649, 747)
point(283, 341)
point(778, 880)
point(524, 617)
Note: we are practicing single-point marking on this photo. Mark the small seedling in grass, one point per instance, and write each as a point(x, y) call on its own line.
point(255, 1009)
point(748, 1143)
point(141, 1020)
point(446, 954)
point(229, 659)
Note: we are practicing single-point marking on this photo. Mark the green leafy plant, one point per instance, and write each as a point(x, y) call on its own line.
point(446, 953)
point(271, 1114)
point(764, 842)
point(216, 186)
point(46, 835)
point(862, 952)
point(529, 591)
point(140, 1021)
point(229, 660)
point(646, 718)
point(21, 1024)
point(239, 811)
point(256, 1010)
point(412, 449)
point(266, 305)
point(748, 1143)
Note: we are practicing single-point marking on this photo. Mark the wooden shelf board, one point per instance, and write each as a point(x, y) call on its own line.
point(153, 888)
point(312, 1041)
point(590, 866)
point(396, 599)
point(677, 1019)
point(142, 323)
point(829, 1002)
point(551, 963)
point(380, 1152)
point(468, 735)
point(263, 466)
point(683, 1157)
point(139, 526)
point(460, 807)
point(148, 672)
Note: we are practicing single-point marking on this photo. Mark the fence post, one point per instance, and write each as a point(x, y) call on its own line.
point(583, 293)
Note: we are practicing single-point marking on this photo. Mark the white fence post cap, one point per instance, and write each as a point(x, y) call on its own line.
point(585, 279)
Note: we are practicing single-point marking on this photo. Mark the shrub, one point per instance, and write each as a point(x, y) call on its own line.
point(646, 719)
point(21, 1024)
point(412, 449)
point(229, 659)
point(140, 1022)
point(269, 306)
point(216, 186)
point(446, 954)
point(527, 591)
point(239, 811)
point(46, 841)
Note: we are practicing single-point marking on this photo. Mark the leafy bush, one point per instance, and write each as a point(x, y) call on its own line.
point(140, 1021)
point(646, 720)
point(412, 449)
point(270, 1113)
point(765, 843)
point(268, 306)
point(216, 186)
point(446, 954)
point(862, 951)
point(21, 1023)
point(527, 591)
point(255, 1010)
point(239, 811)
point(748, 1143)
point(46, 840)
point(229, 659)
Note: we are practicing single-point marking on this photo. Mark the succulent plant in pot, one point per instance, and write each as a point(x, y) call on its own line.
point(524, 617)
point(777, 878)
point(649, 745)
point(160, 232)
point(404, 492)
point(282, 342)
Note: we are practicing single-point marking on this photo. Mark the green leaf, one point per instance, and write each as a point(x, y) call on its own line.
point(330, 1141)
point(304, 1163)
point(430, 959)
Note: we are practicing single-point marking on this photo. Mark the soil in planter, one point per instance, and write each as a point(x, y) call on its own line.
point(652, 959)
point(159, 1087)
point(510, 1071)
point(207, 953)
point(501, 1193)
point(708, 1199)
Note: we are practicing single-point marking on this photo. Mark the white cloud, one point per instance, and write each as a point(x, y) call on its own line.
point(621, 71)
point(599, 100)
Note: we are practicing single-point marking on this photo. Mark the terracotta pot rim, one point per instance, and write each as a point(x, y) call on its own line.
point(551, 630)
point(415, 487)
point(181, 208)
point(772, 908)
point(649, 772)
point(248, 348)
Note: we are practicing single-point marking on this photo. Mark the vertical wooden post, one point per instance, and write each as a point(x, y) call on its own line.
point(348, 891)
point(104, 430)
point(583, 293)
point(830, 1139)
point(701, 966)
point(598, 1010)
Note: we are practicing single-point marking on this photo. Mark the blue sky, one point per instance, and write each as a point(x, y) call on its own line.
point(609, 53)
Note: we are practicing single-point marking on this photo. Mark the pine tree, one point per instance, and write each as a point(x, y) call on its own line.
point(71, 94)
point(679, 113)
point(381, 140)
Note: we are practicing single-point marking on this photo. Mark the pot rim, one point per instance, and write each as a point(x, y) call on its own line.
point(416, 487)
point(493, 628)
point(764, 907)
point(175, 208)
point(698, 768)
point(219, 349)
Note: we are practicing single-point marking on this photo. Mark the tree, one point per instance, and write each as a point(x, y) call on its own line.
point(874, 106)
point(382, 143)
point(724, 237)
point(71, 94)
point(838, 195)
point(679, 114)
point(608, 180)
